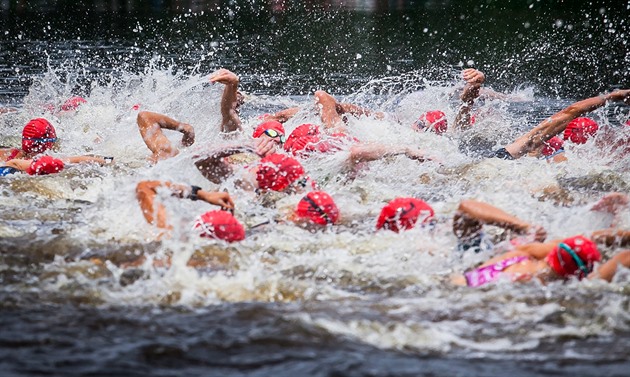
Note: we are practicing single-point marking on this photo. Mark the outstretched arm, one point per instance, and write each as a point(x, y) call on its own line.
point(472, 215)
point(474, 79)
point(87, 159)
point(281, 116)
point(556, 123)
point(371, 152)
point(146, 191)
point(607, 270)
point(229, 101)
point(150, 125)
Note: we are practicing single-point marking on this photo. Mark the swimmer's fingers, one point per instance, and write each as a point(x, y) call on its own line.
point(473, 76)
point(188, 132)
point(221, 199)
point(265, 147)
point(224, 76)
point(540, 233)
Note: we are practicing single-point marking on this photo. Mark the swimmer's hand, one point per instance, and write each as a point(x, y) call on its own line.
point(538, 232)
point(223, 76)
point(188, 138)
point(473, 76)
point(265, 146)
point(419, 155)
point(221, 199)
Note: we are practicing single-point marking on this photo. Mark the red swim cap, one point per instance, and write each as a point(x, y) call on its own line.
point(220, 225)
point(403, 213)
point(38, 136)
point(304, 137)
point(580, 129)
point(73, 103)
point(45, 165)
point(432, 121)
point(552, 146)
point(318, 207)
point(565, 264)
point(277, 171)
point(270, 125)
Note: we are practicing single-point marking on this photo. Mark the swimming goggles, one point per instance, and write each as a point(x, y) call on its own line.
point(41, 139)
point(318, 209)
point(275, 134)
point(580, 263)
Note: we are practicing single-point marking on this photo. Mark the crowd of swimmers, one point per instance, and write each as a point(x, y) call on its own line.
point(271, 161)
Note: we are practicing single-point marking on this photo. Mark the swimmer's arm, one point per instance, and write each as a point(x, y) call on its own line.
point(19, 164)
point(607, 270)
point(214, 168)
point(556, 124)
point(371, 152)
point(537, 250)
point(150, 125)
point(6, 110)
point(612, 237)
point(328, 112)
point(87, 159)
point(474, 79)
point(229, 100)
point(281, 116)
point(472, 213)
point(146, 191)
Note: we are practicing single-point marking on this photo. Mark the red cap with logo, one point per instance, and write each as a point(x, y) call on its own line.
point(574, 256)
point(73, 103)
point(404, 213)
point(580, 129)
point(552, 146)
point(277, 171)
point(220, 225)
point(38, 136)
point(270, 125)
point(318, 207)
point(45, 165)
point(433, 121)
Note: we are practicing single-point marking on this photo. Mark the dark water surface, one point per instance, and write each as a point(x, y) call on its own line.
point(343, 304)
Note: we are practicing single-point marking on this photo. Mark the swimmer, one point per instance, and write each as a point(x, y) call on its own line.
point(535, 138)
point(38, 136)
point(405, 213)
point(556, 260)
point(44, 165)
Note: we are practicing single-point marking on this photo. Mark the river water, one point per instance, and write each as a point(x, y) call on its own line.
point(346, 301)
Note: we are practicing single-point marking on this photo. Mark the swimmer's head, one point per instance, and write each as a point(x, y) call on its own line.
point(317, 207)
point(580, 129)
point(551, 146)
point(271, 129)
point(404, 213)
point(574, 256)
point(221, 225)
point(303, 139)
point(432, 121)
point(38, 136)
point(278, 172)
point(45, 165)
point(72, 103)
